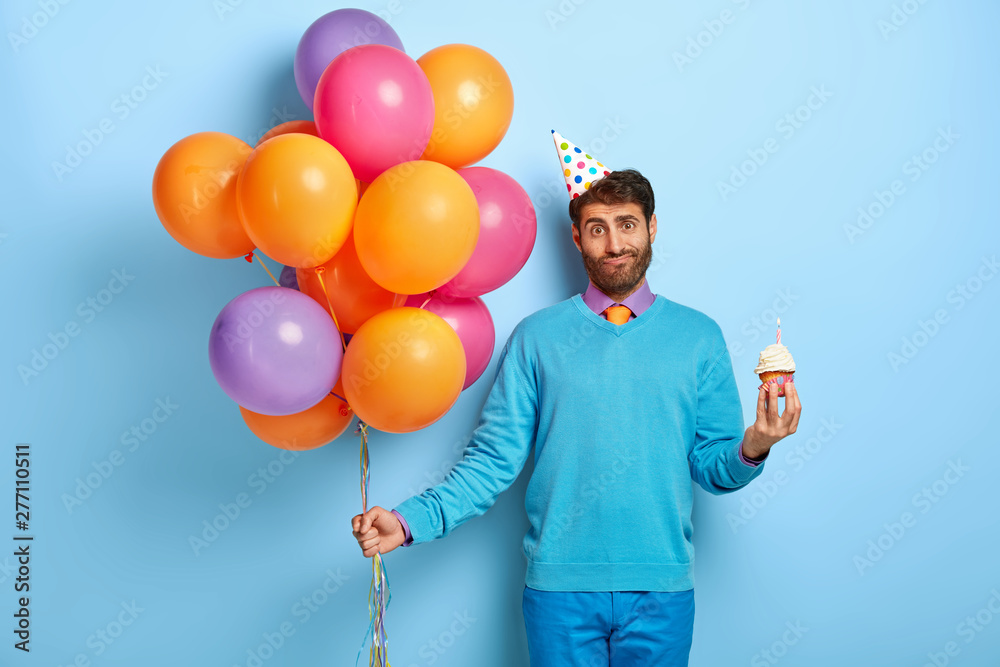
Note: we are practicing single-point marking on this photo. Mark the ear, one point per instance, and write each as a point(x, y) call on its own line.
point(576, 237)
point(652, 228)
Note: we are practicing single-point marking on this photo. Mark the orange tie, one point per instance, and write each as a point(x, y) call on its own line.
point(617, 314)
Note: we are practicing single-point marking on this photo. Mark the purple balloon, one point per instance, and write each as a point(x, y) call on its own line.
point(329, 36)
point(275, 351)
point(288, 278)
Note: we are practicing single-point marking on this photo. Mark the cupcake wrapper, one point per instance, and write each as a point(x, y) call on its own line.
point(776, 377)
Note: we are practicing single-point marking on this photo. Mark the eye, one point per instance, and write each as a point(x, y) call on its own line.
point(629, 225)
point(596, 229)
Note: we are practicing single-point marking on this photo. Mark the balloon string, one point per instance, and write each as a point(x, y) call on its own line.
point(319, 274)
point(250, 256)
point(430, 296)
point(362, 428)
point(345, 408)
point(379, 588)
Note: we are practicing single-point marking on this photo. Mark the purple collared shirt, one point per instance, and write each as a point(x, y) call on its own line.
point(638, 301)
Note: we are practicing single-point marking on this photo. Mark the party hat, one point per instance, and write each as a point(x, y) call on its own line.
point(579, 168)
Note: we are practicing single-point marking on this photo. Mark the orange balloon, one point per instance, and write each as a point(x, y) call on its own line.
point(296, 197)
point(355, 297)
point(403, 369)
point(473, 103)
point(416, 226)
point(300, 126)
point(309, 429)
point(194, 193)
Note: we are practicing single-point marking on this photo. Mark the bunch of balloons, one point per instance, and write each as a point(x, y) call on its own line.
point(392, 236)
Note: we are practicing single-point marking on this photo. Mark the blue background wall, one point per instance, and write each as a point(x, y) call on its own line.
point(819, 543)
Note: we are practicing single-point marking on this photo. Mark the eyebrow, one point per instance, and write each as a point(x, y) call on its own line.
point(621, 217)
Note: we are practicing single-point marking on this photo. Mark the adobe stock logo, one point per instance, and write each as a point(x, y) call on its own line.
point(967, 629)
point(303, 609)
point(780, 647)
point(923, 500)
point(787, 126)
point(763, 322)
point(374, 367)
point(230, 512)
point(914, 167)
point(563, 11)
point(122, 107)
point(432, 650)
point(960, 295)
point(262, 310)
point(104, 468)
point(87, 310)
point(102, 639)
point(278, 116)
point(899, 17)
point(752, 503)
point(30, 25)
point(714, 27)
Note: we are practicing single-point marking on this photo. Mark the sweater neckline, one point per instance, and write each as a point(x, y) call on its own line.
point(619, 329)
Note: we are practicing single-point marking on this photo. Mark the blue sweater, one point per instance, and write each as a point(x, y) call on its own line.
point(622, 419)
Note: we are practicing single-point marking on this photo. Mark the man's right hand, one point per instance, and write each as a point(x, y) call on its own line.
point(378, 531)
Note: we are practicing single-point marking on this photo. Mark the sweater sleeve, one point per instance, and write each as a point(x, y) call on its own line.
point(495, 455)
point(407, 538)
point(715, 459)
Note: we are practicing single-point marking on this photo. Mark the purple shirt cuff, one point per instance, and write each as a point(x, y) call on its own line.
point(750, 462)
point(406, 529)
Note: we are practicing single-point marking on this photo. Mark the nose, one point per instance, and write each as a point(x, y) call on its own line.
point(614, 243)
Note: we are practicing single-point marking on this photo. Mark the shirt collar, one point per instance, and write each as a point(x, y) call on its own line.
point(638, 301)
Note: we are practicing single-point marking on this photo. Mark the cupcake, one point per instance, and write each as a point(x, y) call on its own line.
point(776, 365)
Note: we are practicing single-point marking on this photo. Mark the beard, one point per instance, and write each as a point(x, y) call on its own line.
point(622, 278)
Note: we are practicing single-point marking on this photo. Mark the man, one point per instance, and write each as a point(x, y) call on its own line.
point(626, 398)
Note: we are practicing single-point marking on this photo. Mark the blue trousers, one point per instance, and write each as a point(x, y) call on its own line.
point(616, 629)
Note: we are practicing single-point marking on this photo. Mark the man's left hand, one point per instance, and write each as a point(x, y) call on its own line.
point(770, 427)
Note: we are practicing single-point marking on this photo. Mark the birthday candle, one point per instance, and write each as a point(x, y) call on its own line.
point(779, 331)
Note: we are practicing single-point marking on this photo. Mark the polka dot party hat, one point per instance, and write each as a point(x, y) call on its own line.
point(579, 168)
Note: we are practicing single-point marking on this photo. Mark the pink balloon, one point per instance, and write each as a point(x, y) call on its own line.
point(506, 233)
point(375, 105)
point(473, 323)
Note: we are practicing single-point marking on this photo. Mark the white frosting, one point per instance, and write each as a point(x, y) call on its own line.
point(775, 357)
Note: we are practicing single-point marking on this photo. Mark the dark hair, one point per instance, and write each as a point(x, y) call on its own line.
point(619, 187)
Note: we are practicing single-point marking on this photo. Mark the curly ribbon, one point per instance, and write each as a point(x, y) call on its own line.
point(379, 592)
point(378, 653)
